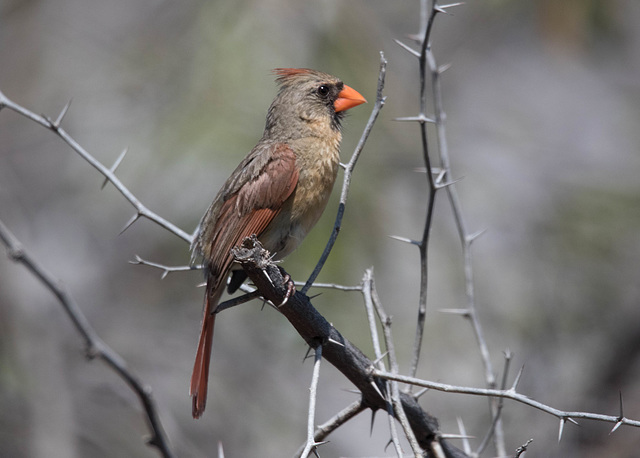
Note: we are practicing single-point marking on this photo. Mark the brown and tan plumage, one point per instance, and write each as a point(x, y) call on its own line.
point(277, 192)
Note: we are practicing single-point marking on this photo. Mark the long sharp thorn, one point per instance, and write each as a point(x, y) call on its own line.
point(456, 436)
point(420, 393)
point(450, 5)
point(377, 360)
point(562, 421)
point(616, 426)
point(130, 222)
point(514, 387)
point(620, 417)
point(443, 8)
point(406, 240)
point(448, 183)
point(420, 118)
point(621, 410)
point(471, 238)
point(461, 312)
point(333, 341)
point(115, 166)
point(463, 432)
point(444, 68)
point(220, 450)
point(373, 384)
point(407, 48)
point(63, 113)
point(373, 419)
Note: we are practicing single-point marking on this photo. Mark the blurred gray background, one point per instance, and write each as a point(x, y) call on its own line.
point(543, 105)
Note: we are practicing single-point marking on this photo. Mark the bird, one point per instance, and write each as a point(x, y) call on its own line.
point(277, 192)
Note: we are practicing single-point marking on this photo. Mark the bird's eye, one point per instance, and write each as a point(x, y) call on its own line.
point(323, 90)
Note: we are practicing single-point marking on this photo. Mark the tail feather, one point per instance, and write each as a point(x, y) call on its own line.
point(200, 375)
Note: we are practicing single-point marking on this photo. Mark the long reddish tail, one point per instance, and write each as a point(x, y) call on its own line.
point(200, 375)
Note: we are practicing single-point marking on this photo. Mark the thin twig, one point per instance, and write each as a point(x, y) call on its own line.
point(367, 293)
point(498, 408)
point(166, 270)
point(251, 295)
point(398, 409)
point(367, 280)
point(333, 286)
point(339, 419)
point(348, 171)
point(466, 239)
point(95, 347)
point(54, 126)
point(395, 439)
point(507, 394)
point(313, 392)
point(423, 246)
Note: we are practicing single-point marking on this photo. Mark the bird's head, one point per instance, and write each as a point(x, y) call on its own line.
point(309, 98)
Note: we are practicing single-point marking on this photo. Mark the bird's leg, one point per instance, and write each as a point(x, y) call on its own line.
point(236, 301)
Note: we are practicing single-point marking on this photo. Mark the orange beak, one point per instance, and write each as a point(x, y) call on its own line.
point(348, 98)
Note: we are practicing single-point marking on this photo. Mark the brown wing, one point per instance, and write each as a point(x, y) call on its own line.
point(261, 187)
point(248, 202)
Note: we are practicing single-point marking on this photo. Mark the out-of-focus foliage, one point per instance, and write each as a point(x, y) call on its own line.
point(543, 105)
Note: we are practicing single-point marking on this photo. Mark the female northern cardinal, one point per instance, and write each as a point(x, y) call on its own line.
point(278, 191)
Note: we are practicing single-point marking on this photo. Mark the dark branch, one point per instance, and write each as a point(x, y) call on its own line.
point(95, 347)
point(337, 350)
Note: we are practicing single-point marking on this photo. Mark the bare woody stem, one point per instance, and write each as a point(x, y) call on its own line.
point(95, 347)
point(337, 350)
point(348, 171)
point(108, 173)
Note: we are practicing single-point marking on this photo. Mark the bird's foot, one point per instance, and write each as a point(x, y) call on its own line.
point(291, 289)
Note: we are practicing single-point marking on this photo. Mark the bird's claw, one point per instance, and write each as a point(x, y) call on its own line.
point(291, 289)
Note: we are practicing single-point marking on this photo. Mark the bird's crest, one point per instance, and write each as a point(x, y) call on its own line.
point(284, 74)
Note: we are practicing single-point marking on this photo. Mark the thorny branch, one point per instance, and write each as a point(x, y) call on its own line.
point(337, 350)
point(423, 119)
point(428, 66)
point(362, 372)
point(373, 382)
point(339, 419)
point(511, 393)
point(372, 303)
point(348, 171)
point(313, 391)
point(108, 173)
point(95, 347)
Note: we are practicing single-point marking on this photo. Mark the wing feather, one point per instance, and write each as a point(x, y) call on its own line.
point(266, 180)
